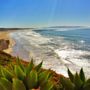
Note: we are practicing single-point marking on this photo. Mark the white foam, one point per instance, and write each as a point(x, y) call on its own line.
point(74, 59)
point(64, 29)
point(71, 53)
point(32, 37)
point(70, 57)
point(82, 41)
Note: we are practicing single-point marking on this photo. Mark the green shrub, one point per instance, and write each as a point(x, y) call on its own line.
point(75, 82)
point(20, 77)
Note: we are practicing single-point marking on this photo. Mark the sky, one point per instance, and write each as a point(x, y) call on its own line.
point(42, 13)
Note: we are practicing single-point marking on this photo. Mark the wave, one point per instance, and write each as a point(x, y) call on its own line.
point(31, 37)
point(75, 59)
point(57, 51)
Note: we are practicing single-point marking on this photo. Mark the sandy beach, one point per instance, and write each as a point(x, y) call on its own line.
point(56, 52)
point(6, 35)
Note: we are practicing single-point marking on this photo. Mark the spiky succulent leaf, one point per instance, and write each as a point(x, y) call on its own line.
point(32, 80)
point(82, 75)
point(67, 84)
point(86, 86)
point(29, 67)
point(88, 81)
point(47, 86)
point(19, 72)
point(18, 85)
point(77, 81)
point(37, 68)
point(6, 84)
point(1, 87)
point(19, 63)
point(0, 71)
point(44, 77)
point(71, 76)
point(7, 74)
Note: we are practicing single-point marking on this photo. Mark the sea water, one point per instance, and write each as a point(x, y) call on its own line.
point(59, 48)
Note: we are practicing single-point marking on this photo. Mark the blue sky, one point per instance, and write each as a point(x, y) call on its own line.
point(41, 13)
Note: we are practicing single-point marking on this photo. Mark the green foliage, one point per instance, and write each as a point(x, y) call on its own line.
point(75, 82)
point(18, 85)
point(19, 72)
point(37, 68)
point(7, 74)
point(1, 87)
point(21, 77)
point(29, 67)
point(82, 75)
point(6, 84)
point(32, 80)
point(67, 84)
point(43, 77)
point(28, 77)
point(19, 64)
point(47, 86)
point(71, 76)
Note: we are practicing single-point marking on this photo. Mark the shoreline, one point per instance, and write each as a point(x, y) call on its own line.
point(14, 48)
point(6, 36)
point(17, 48)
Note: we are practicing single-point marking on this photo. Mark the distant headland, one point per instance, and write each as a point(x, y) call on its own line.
point(5, 29)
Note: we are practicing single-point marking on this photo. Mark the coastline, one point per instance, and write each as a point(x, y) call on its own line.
point(6, 35)
point(26, 44)
point(14, 48)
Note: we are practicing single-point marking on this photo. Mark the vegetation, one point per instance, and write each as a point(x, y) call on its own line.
point(16, 77)
point(5, 58)
point(75, 82)
point(16, 74)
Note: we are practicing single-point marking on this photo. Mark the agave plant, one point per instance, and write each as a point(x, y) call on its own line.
point(75, 82)
point(20, 77)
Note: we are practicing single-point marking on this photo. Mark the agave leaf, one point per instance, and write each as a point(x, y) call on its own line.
point(0, 70)
point(7, 74)
point(77, 81)
point(19, 72)
point(7, 85)
point(47, 86)
point(29, 67)
point(82, 75)
point(11, 66)
point(19, 63)
point(44, 77)
point(88, 81)
point(71, 76)
point(1, 87)
point(18, 85)
point(86, 86)
point(32, 80)
point(67, 84)
point(37, 68)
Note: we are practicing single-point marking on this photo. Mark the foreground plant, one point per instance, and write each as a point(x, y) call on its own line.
point(75, 82)
point(21, 77)
point(18, 76)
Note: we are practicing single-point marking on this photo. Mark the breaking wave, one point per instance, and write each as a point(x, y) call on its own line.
point(58, 48)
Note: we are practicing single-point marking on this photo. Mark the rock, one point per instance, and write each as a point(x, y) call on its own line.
point(4, 44)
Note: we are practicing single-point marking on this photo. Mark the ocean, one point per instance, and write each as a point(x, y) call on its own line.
point(58, 48)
